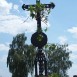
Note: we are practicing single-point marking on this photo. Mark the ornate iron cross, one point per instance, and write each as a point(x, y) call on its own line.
point(40, 56)
point(38, 12)
point(35, 37)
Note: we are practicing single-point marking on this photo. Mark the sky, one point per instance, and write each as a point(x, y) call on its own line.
point(62, 28)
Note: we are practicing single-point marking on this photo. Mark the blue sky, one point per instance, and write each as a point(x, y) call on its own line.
point(62, 27)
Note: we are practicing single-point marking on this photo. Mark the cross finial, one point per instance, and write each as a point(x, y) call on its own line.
point(39, 39)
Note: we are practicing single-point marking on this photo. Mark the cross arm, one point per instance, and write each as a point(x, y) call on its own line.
point(26, 6)
point(52, 5)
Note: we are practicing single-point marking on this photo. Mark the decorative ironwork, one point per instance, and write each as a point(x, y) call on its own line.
point(39, 39)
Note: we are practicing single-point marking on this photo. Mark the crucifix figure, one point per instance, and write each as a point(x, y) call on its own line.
point(39, 39)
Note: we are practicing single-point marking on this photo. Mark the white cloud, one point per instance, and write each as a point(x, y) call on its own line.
point(5, 7)
point(62, 39)
point(73, 58)
point(72, 47)
point(73, 30)
point(16, 7)
point(4, 47)
point(13, 24)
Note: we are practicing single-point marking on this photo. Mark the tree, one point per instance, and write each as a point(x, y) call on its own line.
point(58, 59)
point(20, 57)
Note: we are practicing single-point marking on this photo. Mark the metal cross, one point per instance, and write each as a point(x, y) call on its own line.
point(38, 12)
point(40, 56)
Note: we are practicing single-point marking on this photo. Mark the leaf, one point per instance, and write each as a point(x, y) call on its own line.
point(32, 15)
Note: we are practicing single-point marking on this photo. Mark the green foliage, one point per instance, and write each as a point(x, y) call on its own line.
point(39, 8)
point(20, 58)
point(58, 59)
point(54, 75)
point(40, 37)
